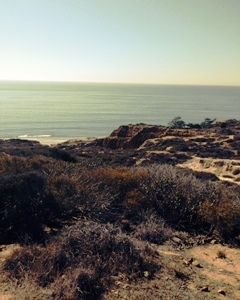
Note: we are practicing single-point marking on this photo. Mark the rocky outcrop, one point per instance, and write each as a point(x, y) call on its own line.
point(143, 144)
point(130, 136)
point(224, 169)
point(214, 142)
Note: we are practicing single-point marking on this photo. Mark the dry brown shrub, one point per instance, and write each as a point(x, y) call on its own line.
point(221, 254)
point(153, 229)
point(224, 214)
point(62, 186)
point(85, 254)
point(24, 206)
point(177, 196)
point(113, 194)
point(174, 195)
point(124, 176)
point(11, 164)
point(134, 199)
point(78, 284)
point(15, 165)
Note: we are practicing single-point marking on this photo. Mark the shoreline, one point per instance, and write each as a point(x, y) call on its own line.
point(52, 140)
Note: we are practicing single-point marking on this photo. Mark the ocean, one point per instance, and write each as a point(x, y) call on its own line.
point(62, 111)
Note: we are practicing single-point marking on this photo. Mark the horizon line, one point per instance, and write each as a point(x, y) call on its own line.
point(118, 82)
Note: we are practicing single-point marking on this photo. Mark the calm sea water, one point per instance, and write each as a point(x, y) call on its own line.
point(73, 110)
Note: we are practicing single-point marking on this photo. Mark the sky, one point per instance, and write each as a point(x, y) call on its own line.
point(132, 41)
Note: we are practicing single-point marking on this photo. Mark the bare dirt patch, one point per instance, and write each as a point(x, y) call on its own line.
point(218, 273)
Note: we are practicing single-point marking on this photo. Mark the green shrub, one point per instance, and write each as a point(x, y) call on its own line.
point(177, 123)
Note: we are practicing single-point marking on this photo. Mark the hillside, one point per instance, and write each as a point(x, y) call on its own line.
point(149, 212)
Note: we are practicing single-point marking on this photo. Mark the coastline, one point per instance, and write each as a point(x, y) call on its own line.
point(53, 141)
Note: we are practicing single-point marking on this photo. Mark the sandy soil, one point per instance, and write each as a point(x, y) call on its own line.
point(196, 273)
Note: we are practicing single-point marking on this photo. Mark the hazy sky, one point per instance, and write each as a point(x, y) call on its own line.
point(148, 41)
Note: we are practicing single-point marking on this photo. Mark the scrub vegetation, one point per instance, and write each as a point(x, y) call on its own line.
point(79, 228)
point(82, 224)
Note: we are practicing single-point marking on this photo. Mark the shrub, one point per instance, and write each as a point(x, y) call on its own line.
point(24, 148)
point(207, 123)
point(190, 204)
point(63, 189)
point(60, 154)
point(224, 213)
point(177, 123)
point(177, 197)
point(78, 284)
point(113, 193)
point(24, 206)
point(153, 229)
point(85, 255)
point(15, 165)
point(221, 254)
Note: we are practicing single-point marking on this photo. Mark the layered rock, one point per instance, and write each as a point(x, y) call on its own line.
point(143, 144)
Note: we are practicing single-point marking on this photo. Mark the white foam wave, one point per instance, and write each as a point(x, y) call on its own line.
point(26, 136)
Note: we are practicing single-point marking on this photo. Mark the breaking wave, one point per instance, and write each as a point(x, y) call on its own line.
point(26, 136)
